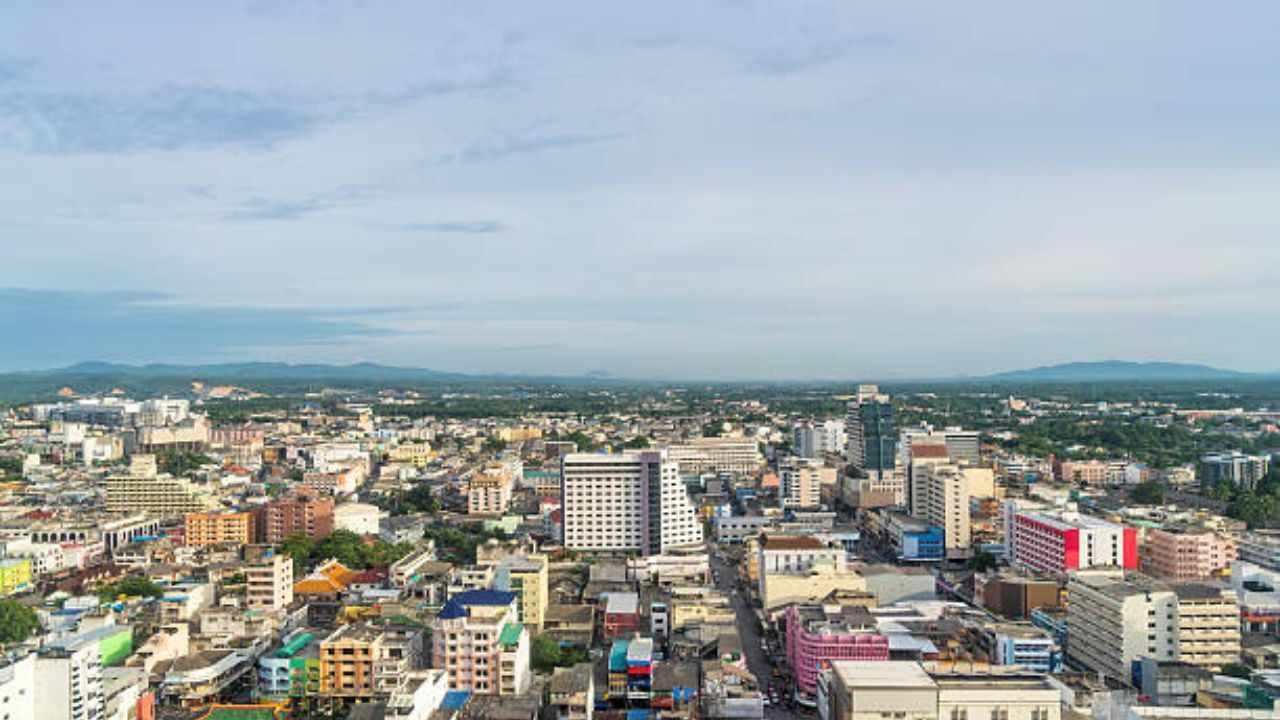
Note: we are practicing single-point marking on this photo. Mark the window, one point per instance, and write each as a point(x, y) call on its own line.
point(959, 714)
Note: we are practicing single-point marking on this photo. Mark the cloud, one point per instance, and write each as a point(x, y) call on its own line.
point(174, 118)
point(478, 227)
point(514, 144)
point(14, 69)
point(267, 209)
point(61, 327)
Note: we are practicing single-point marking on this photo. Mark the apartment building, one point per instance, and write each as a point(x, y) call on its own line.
point(302, 513)
point(143, 490)
point(1261, 548)
point(1233, 468)
point(1208, 624)
point(1059, 542)
point(739, 456)
point(1186, 553)
point(359, 661)
point(481, 644)
point(633, 501)
point(269, 582)
point(802, 482)
point(203, 529)
point(489, 491)
point(529, 578)
point(68, 677)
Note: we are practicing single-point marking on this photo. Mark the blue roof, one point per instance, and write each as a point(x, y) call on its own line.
point(483, 597)
point(452, 611)
point(455, 699)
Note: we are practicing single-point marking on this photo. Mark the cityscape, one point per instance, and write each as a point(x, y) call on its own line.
point(664, 360)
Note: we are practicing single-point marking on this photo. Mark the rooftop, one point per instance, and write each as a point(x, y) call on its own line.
point(882, 674)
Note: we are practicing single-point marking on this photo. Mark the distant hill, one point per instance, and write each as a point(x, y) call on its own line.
point(258, 370)
point(1120, 370)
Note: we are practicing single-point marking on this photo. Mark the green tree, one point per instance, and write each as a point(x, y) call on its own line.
point(132, 586)
point(180, 463)
point(298, 547)
point(495, 445)
point(1147, 493)
point(547, 655)
point(17, 622)
point(983, 561)
point(1237, 670)
point(638, 442)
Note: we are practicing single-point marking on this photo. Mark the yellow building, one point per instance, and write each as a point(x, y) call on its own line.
point(816, 583)
point(203, 529)
point(518, 434)
point(529, 578)
point(419, 453)
point(15, 575)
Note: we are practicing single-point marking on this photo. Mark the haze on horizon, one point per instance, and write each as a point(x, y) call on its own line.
point(666, 190)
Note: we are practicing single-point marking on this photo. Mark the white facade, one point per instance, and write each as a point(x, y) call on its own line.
point(18, 689)
point(269, 584)
point(802, 482)
point(70, 682)
point(630, 501)
point(359, 518)
point(946, 504)
point(1112, 622)
point(740, 456)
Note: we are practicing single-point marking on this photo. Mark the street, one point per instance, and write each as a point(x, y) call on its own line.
point(757, 662)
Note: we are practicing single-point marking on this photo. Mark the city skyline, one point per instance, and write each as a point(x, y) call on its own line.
point(842, 190)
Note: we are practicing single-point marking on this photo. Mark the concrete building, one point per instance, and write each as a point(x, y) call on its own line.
point(1261, 548)
point(871, 432)
point(946, 504)
point(269, 582)
point(158, 495)
point(802, 482)
point(1233, 468)
point(737, 456)
point(571, 692)
point(480, 643)
point(359, 518)
point(854, 690)
point(527, 577)
point(68, 677)
point(489, 491)
point(231, 528)
point(1183, 553)
point(1208, 623)
point(18, 686)
point(913, 539)
point(816, 636)
point(1113, 620)
point(302, 513)
point(1059, 542)
point(794, 554)
point(633, 501)
point(360, 662)
point(815, 440)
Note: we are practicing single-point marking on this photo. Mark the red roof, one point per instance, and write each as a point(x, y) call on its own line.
point(928, 451)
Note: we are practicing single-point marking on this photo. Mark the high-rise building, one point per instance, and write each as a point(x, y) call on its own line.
point(303, 513)
point(68, 677)
point(1186, 553)
point(633, 501)
point(870, 431)
point(478, 640)
point(946, 504)
point(802, 481)
point(814, 439)
point(489, 491)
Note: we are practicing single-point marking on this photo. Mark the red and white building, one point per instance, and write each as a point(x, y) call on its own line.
point(1059, 542)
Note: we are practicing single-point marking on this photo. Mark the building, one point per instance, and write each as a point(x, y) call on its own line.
point(946, 504)
point(1183, 553)
point(68, 677)
point(815, 440)
point(269, 582)
point(802, 482)
point(489, 491)
point(1114, 620)
point(964, 447)
point(737, 456)
point(15, 575)
point(203, 529)
point(816, 636)
point(621, 614)
point(18, 686)
point(737, 528)
point(359, 518)
point(571, 692)
point(303, 513)
point(360, 662)
point(1234, 468)
point(1059, 542)
point(158, 495)
point(632, 501)
point(527, 577)
point(794, 554)
point(871, 432)
point(860, 690)
point(913, 539)
point(922, 454)
point(480, 643)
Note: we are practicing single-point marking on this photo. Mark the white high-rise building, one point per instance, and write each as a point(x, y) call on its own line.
point(630, 501)
point(813, 440)
point(68, 673)
point(802, 480)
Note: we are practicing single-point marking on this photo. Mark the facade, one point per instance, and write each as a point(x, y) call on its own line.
point(871, 432)
point(816, 637)
point(946, 504)
point(633, 501)
point(299, 514)
point(853, 690)
point(913, 539)
point(68, 678)
point(1233, 468)
point(15, 575)
point(1182, 554)
point(479, 642)
point(527, 577)
point(1208, 622)
point(18, 686)
point(203, 529)
point(802, 482)
point(359, 518)
point(1261, 548)
point(1061, 542)
point(161, 496)
point(489, 492)
point(794, 554)
point(814, 440)
point(269, 583)
point(1113, 620)
point(738, 456)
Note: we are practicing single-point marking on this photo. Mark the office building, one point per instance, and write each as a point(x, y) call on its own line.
point(481, 644)
point(203, 529)
point(906, 690)
point(817, 439)
point(913, 539)
point(871, 432)
point(633, 501)
point(144, 490)
point(1234, 468)
point(946, 504)
point(1060, 542)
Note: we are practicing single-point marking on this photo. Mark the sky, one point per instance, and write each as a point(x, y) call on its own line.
point(693, 190)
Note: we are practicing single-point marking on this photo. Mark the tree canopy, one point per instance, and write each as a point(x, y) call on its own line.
point(547, 655)
point(17, 621)
point(132, 586)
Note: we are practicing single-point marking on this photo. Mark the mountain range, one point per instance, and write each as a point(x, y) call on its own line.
point(1121, 370)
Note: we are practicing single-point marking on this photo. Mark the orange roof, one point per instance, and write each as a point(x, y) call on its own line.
point(791, 542)
point(769, 481)
point(317, 585)
point(928, 450)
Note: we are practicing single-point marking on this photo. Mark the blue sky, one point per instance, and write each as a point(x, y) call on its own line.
point(667, 189)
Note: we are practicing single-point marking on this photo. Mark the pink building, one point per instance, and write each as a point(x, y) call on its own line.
point(816, 637)
point(1059, 542)
point(1186, 553)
